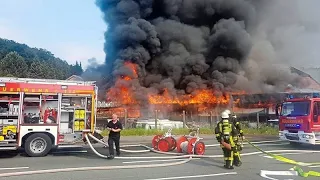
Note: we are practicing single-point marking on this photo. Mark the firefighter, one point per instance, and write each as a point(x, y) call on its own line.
point(238, 134)
point(224, 132)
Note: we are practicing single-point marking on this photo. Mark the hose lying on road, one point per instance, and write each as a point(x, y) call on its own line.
point(181, 155)
point(190, 156)
point(21, 173)
point(101, 167)
point(148, 149)
point(290, 161)
point(277, 157)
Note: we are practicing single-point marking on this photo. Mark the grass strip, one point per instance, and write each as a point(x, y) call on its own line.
point(184, 131)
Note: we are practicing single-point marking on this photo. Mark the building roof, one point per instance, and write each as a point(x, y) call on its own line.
point(75, 78)
point(313, 84)
point(299, 72)
point(313, 72)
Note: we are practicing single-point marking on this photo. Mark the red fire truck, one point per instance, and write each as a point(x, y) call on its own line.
point(299, 119)
point(40, 114)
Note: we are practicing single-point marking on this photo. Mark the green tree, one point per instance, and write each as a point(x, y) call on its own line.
point(13, 64)
point(51, 66)
point(76, 69)
point(38, 70)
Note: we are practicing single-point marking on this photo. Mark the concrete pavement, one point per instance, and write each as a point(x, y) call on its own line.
point(206, 168)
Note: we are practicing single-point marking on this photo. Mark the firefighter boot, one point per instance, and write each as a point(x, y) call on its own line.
point(228, 164)
point(237, 161)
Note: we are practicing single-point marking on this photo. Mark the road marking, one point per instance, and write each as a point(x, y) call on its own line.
point(65, 152)
point(280, 154)
point(13, 168)
point(196, 176)
point(256, 142)
point(164, 160)
point(294, 153)
point(269, 144)
point(264, 173)
point(314, 166)
point(268, 157)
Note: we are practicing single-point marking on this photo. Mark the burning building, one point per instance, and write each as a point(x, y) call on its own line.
point(192, 54)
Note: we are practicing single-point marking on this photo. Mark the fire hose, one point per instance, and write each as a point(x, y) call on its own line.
point(106, 167)
point(290, 161)
point(178, 156)
point(184, 146)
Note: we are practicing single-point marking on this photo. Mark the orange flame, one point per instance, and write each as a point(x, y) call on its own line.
point(133, 68)
point(122, 94)
point(200, 97)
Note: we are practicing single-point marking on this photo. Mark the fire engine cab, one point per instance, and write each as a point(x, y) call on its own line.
point(299, 119)
point(40, 114)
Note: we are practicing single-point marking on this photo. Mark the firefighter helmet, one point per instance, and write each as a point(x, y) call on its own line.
point(224, 115)
point(227, 111)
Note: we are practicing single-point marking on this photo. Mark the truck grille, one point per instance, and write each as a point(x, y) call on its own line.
point(292, 136)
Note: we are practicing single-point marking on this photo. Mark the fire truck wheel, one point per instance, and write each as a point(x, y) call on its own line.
point(38, 145)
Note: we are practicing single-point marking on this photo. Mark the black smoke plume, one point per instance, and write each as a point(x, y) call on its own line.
point(187, 45)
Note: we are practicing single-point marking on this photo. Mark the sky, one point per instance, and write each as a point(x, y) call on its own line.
point(72, 30)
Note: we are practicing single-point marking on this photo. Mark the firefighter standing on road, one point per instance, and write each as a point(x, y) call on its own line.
point(224, 132)
point(239, 133)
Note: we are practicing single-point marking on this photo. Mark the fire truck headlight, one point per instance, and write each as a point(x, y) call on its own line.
point(307, 136)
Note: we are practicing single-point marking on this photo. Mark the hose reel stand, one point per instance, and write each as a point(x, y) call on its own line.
point(192, 146)
point(164, 142)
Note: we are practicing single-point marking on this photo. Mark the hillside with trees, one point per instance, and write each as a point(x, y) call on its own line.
point(20, 60)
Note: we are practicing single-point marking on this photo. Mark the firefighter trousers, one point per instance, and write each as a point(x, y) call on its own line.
point(236, 153)
point(228, 154)
point(228, 157)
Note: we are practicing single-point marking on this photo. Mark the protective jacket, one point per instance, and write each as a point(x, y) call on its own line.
point(237, 125)
point(225, 131)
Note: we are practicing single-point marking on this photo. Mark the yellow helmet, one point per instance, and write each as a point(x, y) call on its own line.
point(224, 115)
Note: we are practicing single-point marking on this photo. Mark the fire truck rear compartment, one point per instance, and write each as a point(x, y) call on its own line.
point(37, 115)
point(9, 111)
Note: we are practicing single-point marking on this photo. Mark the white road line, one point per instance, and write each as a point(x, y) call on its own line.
point(196, 176)
point(268, 157)
point(280, 144)
point(65, 152)
point(264, 173)
point(314, 166)
point(293, 153)
point(256, 142)
point(13, 168)
point(280, 154)
point(164, 160)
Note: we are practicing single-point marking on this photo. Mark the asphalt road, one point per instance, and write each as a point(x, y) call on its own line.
point(205, 168)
